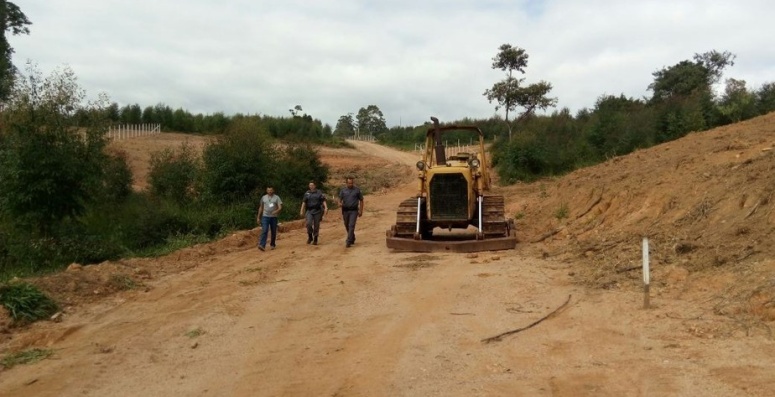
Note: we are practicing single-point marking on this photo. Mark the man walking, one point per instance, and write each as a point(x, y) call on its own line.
point(314, 202)
point(351, 201)
point(271, 204)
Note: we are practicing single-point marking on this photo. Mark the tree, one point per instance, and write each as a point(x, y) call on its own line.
point(173, 173)
point(345, 126)
point(51, 167)
point(113, 112)
point(765, 98)
point(689, 77)
point(737, 103)
point(149, 115)
point(371, 121)
point(238, 162)
point(12, 20)
point(510, 93)
point(296, 111)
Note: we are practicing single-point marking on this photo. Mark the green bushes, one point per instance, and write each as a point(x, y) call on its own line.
point(173, 173)
point(238, 163)
point(65, 198)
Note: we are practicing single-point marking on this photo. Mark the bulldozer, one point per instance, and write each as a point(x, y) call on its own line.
point(452, 194)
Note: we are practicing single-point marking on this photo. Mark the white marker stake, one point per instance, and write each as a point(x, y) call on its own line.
point(646, 273)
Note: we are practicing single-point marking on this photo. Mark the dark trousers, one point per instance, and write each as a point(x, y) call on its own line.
point(350, 217)
point(268, 223)
point(313, 222)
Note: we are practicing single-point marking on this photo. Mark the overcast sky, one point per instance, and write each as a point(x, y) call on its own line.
point(412, 58)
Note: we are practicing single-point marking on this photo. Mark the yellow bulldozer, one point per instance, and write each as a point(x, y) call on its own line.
point(452, 194)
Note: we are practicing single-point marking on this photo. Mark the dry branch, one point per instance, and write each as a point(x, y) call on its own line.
point(753, 209)
point(594, 203)
point(547, 235)
point(629, 269)
point(498, 337)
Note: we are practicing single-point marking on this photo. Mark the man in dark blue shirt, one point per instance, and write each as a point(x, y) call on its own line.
point(351, 201)
point(314, 202)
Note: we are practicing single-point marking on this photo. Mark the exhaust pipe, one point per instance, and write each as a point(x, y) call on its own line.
point(441, 155)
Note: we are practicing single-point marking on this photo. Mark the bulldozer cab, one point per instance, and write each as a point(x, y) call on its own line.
point(436, 154)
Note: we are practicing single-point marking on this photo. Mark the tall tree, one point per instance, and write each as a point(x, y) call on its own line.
point(737, 103)
point(345, 126)
point(690, 77)
point(765, 98)
point(510, 93)
point(50, 166)
point(371, 121)
point(12, 20)
point(296, 111)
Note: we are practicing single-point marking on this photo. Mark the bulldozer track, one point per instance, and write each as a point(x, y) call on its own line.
point(493, 218)
point(406, 218)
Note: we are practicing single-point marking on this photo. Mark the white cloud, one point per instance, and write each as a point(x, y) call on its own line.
point(413, 59)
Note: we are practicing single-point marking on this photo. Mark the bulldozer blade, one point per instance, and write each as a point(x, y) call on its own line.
point(489, 244)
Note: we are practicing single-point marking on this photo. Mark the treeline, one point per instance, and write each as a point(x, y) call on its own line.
point(65, 197)
point(682, 101)
point(299, 126)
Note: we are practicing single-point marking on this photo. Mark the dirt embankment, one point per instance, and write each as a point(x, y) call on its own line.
point(705, 202)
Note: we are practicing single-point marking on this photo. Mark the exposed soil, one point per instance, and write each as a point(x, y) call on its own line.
point(224, 319)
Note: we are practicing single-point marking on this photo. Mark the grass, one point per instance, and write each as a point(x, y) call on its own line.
point(123, 282)
point(25, 357)
point(195, 332)
point(542, 191)
point(26, 303)
point(177, 242)
point(562, 212)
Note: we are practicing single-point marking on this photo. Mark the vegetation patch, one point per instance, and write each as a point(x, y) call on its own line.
point(122, 282)
point(25, 357)
point(26, 303)
point(418, 262)
point(196, 332)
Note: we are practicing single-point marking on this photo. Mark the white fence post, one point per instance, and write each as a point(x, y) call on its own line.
point(125, 131)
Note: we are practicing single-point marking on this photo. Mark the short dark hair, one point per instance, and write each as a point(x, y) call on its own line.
point(349, 178)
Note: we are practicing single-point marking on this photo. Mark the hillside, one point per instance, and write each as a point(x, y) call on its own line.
point(705, 202)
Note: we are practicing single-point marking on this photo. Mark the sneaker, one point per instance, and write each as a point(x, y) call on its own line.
point(261, 248)
point(348, 245)
point(272, 247)
point(315, 241)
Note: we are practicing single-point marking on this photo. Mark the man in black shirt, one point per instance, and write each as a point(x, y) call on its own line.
point(314, 202)
point(351, 201)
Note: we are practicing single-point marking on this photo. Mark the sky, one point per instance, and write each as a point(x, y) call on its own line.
point(412, 58)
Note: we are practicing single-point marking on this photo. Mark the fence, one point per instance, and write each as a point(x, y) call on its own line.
point(451, 150)
point(366, 138)
point(125, 131)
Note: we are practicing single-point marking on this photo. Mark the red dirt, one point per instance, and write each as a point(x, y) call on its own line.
point(226, 319)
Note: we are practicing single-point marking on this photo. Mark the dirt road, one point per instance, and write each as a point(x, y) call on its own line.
point(363, 321)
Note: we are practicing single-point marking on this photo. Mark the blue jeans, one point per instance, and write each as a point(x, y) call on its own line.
point(268, 222)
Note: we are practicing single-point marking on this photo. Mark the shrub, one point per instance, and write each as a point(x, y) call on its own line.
point(50, 167)
point(237, 163)
point(117, 182)
point(173, 173)
point(26, 303)
point(300, 165)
